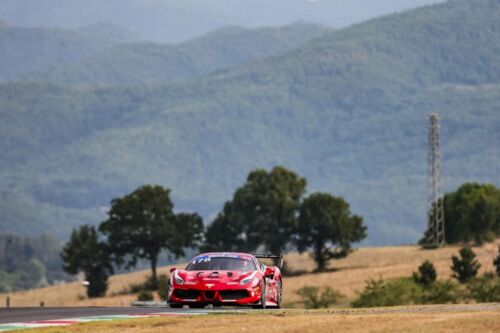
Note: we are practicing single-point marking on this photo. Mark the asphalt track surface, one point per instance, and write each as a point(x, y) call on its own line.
point(9, 315)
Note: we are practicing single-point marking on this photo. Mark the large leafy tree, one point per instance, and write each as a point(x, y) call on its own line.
point(262, 213)
point(191, 234)
point(142, 224)
point(327, 226)
point(472, 213)
point(227, 232)
point(85, 253)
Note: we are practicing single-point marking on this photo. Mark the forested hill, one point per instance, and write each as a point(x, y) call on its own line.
point(27, 50)
point(161, 63)
point(346, 110)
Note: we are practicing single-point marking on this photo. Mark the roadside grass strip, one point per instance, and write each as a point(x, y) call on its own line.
point(71, 321)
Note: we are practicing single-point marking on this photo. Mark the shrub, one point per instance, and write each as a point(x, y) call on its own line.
point(162, 286)
point(145, 296)
point(146, 285)
point(485, 289)
point(465, 268)
point(426, 274)
point(316, 298)
point(442, 292)
point(135, 288)
point(400, 291)
point(149, 284)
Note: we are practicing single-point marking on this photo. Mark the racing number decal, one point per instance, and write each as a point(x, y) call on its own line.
point(200, 260)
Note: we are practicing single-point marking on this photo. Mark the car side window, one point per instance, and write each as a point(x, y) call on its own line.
point(260, 265)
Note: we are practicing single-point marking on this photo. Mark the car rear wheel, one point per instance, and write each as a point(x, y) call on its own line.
point(279, 296)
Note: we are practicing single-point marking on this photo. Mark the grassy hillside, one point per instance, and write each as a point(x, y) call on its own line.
point(347, 275)
point(346, 110)
point(162, 63)
point(28, 50)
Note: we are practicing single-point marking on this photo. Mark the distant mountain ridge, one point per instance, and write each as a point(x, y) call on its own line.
point(141, 63)
point(346, 110)
point(174, 21)
point(27, 50)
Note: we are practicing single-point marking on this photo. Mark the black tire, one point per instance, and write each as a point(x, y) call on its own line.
point(263, 296)
point(175, 305)
point(196, 306)
point(280, 295)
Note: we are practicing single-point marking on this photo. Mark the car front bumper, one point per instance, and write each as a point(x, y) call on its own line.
point(227, 296)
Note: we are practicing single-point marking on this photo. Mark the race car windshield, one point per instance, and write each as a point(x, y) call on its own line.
point(221, 264)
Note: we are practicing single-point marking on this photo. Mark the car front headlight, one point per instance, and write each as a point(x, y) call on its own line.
point(178, 279)
point(249, 279)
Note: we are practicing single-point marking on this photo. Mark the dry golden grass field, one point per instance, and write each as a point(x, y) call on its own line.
point(347, 275)
point(427, 319)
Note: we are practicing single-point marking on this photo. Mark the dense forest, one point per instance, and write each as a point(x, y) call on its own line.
point(346, 109)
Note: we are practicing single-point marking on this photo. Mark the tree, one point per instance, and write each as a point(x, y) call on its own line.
point(86, 253)
point(192, 226)
point(466, 267)
point(263, 212)
point(227, 232)
point(141, 224)
point(426, 274)
point(472, 213)
point(496, 262)
point(327, 226)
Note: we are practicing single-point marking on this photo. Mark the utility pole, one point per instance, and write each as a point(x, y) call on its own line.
point(435, 200)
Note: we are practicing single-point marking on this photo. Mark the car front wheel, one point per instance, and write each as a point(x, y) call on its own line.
point(175, 305)
point(196, 306)
point(263, 296)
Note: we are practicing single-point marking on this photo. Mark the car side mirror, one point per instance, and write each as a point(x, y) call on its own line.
point(172, 269)
point(269, 273)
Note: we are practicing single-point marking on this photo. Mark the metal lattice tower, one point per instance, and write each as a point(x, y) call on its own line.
point(435, 201)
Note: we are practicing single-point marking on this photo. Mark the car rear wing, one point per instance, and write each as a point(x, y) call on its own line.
point(275, 257)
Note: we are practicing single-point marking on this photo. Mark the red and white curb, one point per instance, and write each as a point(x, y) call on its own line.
point(71, 321)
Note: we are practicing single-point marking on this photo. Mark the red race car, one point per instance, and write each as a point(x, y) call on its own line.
point(226, 278)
